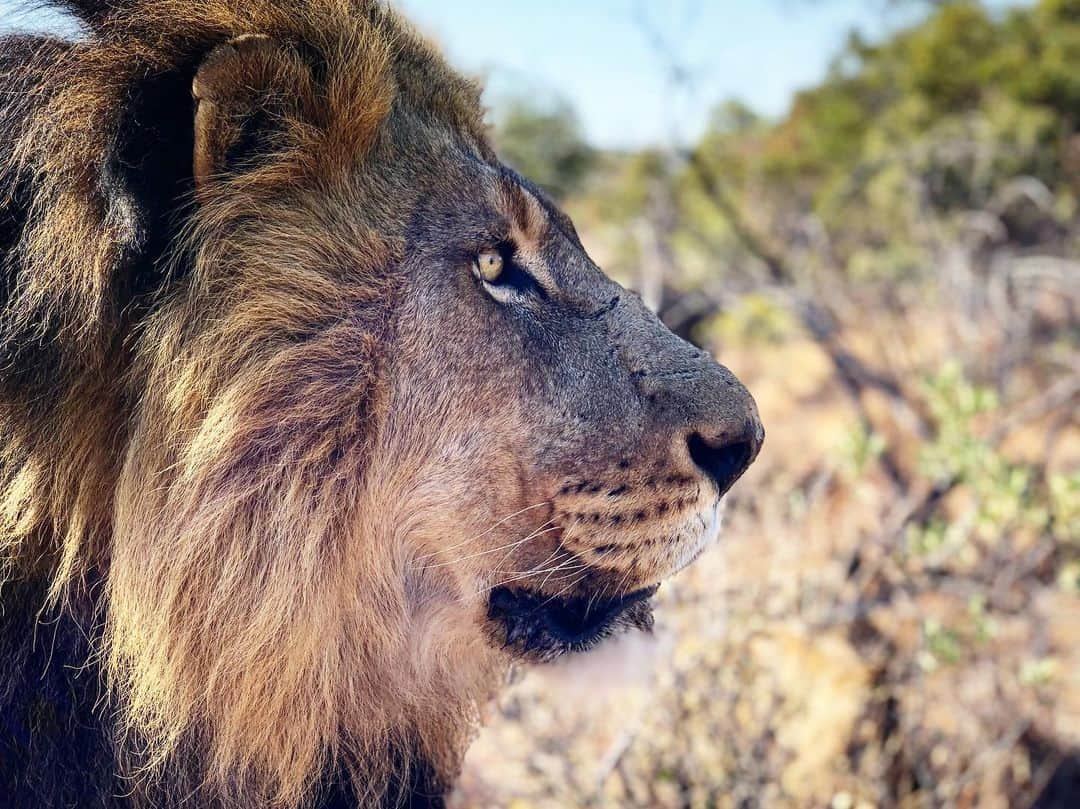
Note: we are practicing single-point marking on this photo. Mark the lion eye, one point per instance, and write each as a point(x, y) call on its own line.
point(489, 266)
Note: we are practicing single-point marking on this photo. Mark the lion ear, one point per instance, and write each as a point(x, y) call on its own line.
point(245, 92)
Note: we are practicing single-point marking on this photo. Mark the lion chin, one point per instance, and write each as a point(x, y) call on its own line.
point(540, 628)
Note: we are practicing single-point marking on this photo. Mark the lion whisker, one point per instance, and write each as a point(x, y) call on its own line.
point(509, 546)
point(543, 528)
point(524, 575)
point(537, 567)
point(485, 533)
point(534, 571)
point(569, 572)
point(622, 582)
point(565, 565)
point(571, 585)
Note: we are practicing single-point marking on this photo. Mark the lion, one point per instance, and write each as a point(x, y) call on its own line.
point(316, 418)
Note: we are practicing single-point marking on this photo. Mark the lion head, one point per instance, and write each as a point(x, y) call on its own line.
point(316, 415)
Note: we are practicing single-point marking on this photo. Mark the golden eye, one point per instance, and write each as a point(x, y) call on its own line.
point(489, 265)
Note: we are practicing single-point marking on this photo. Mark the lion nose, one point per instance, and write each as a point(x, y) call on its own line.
point(717, 430)
point(724, 455)
point(702, 419)
point(707, 419)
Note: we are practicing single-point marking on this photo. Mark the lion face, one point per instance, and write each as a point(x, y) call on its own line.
point(583, 449)
point(332, 404)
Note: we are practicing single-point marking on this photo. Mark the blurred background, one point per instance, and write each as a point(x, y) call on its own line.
point(870, 211)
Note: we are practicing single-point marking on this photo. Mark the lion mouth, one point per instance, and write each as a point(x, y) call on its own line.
point(540, 627)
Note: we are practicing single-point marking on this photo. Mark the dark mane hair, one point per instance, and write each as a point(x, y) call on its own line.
point(98, 229)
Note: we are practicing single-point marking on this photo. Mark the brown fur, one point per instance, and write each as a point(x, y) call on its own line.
point(195, 636)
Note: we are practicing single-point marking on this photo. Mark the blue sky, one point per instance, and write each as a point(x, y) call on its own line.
point(596, 54)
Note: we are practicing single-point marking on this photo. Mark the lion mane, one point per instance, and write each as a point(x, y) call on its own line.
point(207, 621)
